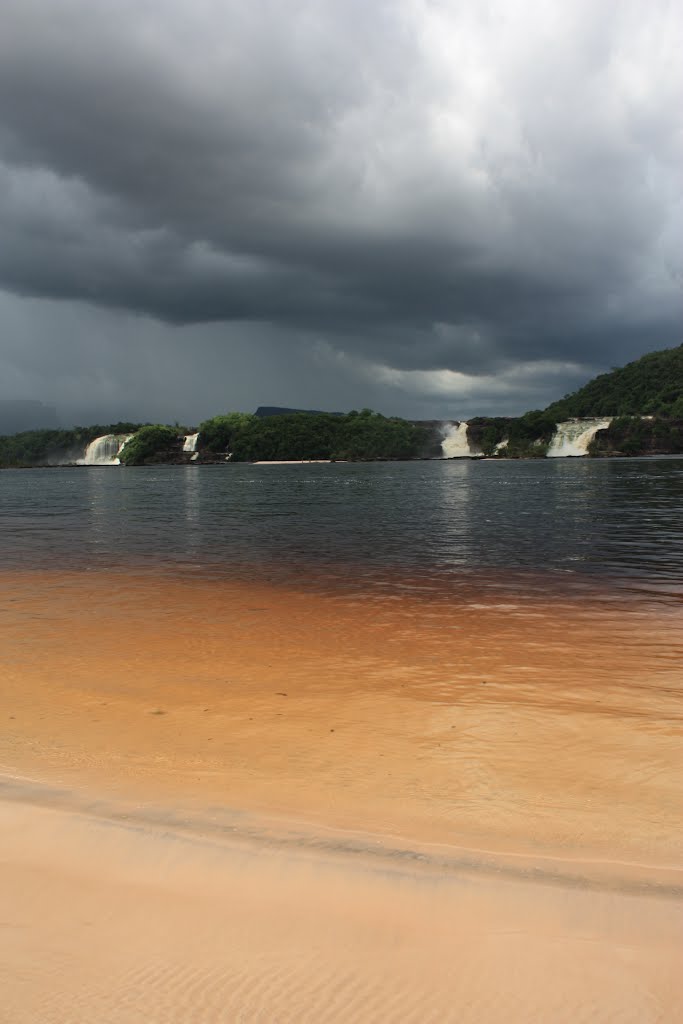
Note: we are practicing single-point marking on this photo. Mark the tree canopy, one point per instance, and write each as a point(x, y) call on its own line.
point(217, 433)
point(649, 386)
point(356, 435)
point(147, 444)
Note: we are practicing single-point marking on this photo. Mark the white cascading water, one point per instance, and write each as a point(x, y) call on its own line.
point(455, 444)
point(190, 443)
point(572, 437)
point(105, 450)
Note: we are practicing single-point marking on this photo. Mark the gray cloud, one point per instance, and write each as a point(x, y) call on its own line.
point(428, 204)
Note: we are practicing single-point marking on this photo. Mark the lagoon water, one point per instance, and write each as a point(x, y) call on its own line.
point(571, 522)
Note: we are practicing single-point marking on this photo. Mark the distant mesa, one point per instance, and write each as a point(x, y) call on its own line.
point(280, 410)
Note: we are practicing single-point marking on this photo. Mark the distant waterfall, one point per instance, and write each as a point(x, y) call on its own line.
point(190, 443)
point(105, 450)
point(573, 436)
point(455, 444)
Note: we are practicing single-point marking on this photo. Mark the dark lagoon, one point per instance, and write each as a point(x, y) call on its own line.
point(567, 523)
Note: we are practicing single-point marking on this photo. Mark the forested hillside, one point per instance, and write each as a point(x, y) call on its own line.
point(649, 386)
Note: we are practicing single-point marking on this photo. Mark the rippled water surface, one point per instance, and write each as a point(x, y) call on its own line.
point(577, 519)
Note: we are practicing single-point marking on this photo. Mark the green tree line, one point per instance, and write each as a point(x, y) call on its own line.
point(356, 435)
point(148, 443)
point(527, 436)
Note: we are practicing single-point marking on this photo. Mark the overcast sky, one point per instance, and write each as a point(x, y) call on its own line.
point(434, 208)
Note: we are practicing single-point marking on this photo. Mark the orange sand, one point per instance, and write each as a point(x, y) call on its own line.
point(376, 780)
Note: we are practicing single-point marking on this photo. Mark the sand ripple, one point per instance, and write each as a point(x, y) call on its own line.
point(110, 923)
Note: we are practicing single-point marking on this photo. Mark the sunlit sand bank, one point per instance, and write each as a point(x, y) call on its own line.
point(413, 809)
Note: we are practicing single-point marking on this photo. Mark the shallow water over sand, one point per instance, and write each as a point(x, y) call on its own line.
point(535, 724)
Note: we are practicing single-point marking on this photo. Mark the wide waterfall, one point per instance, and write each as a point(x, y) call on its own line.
point(455, 444)
point(105, 450)
point(190, 443)
point(573, 436)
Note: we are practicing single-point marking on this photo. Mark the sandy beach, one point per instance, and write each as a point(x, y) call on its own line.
point(230, 801)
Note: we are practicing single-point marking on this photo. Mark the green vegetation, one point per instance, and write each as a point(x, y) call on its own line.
point(369, 435)
point(148, 444)
point(652, 385)
point(485, 432)
point(291, 436)
point(216, 434)
point(49, 447)
point(528, 436)
point(633, 435)
point(358, 435)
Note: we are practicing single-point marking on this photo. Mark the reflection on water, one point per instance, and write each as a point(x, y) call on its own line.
point(190, 481)
point(427, 521)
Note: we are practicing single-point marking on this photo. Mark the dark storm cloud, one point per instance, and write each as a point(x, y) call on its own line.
point(394, 191)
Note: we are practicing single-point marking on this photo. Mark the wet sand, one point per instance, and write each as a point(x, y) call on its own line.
point(229, 801)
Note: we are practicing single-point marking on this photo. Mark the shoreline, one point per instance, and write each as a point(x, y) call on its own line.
point(223, 461)
point(264, 831)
